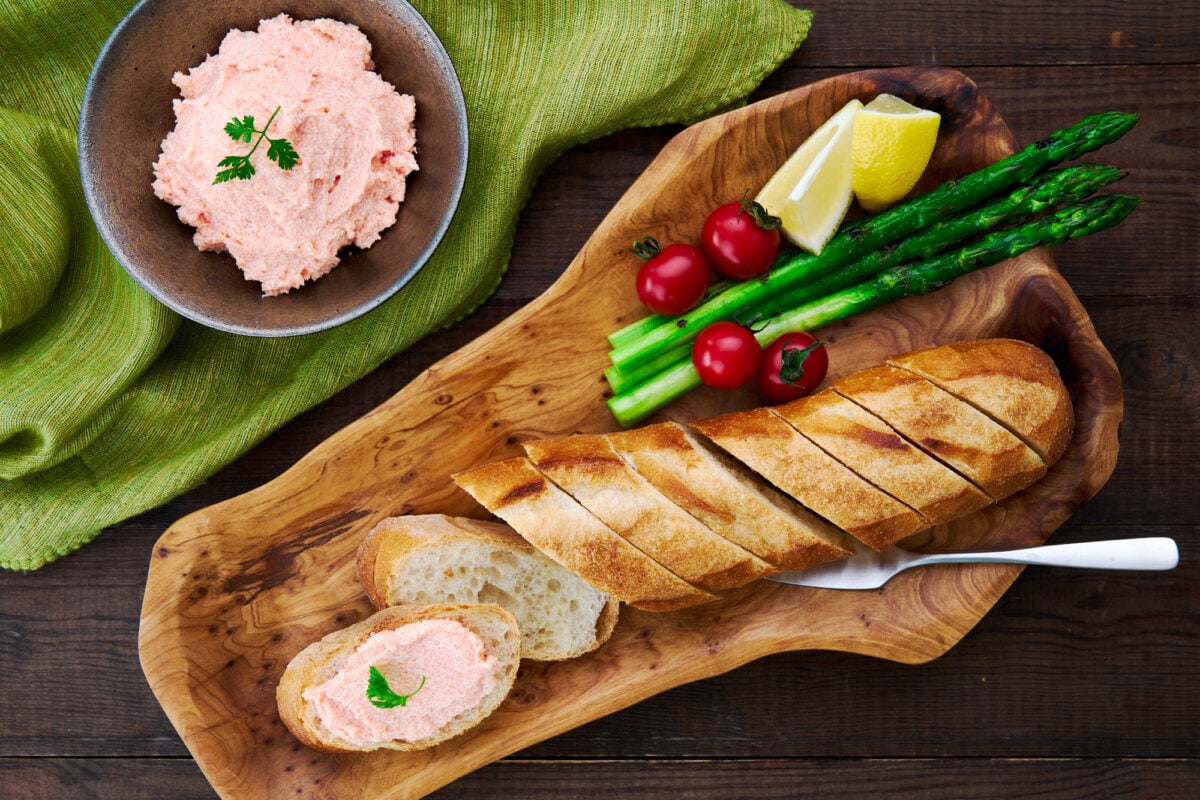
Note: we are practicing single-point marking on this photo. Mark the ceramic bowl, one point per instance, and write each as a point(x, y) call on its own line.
point(127, 112)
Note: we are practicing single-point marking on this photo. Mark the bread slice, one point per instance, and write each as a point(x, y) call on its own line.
point(462, 657)
point(1011, 381)
point(433, 558)
point(729, 498)
point(950, 430)
point(552, 521)
point(870, 447)
point(774, 449)
point(587, 468)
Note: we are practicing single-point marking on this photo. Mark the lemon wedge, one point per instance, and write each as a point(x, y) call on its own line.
point(812, 191)
point(893, 141)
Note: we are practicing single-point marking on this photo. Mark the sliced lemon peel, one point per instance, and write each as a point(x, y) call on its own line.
point(893, 142)
point(812, 191)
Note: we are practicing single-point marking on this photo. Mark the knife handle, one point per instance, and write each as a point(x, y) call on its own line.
point(1146, 553)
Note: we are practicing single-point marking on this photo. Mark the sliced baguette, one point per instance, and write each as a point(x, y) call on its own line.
point(1013, 382)
point(881, 455)
point(729, 498)
point(774, 449)
point(552, 521)
point(433, 558)
point(870, 447)
point(323, 660)
point(587, 468)
point(950, 430)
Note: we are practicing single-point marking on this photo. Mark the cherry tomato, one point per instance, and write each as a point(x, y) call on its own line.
point(673, 279)
point(726, 355)
point(792, 366)
point(741, 240)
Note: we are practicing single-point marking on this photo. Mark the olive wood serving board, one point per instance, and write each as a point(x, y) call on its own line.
point(237, 589)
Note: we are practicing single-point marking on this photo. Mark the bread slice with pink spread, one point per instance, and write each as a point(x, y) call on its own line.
point(405, 678)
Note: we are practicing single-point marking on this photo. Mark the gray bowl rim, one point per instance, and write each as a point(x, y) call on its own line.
point(112, 242)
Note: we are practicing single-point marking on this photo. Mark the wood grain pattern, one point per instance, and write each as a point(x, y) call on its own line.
point(652, 779)
point(236, 589)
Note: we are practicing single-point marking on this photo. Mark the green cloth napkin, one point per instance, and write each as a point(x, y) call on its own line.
point(110, 404)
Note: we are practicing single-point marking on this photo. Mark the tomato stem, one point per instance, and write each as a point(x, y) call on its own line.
point(646, 248)
point(791, 370)
point(762, 218)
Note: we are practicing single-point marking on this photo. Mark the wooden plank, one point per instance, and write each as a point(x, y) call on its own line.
point(654, 778)
point(833, 779)
point(950, 32)
point(70, 681)
point(1153, 341)
point(128, 778)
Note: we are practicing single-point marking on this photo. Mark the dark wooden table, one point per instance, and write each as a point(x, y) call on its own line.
point(1077, 684)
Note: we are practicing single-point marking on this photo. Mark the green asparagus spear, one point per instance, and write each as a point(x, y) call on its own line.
point(919, 277)
point(872, 233)
point(922, 277)
point(1049, 189)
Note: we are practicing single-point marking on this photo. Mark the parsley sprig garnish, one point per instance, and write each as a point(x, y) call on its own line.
point(242, 130)
point(382, 696)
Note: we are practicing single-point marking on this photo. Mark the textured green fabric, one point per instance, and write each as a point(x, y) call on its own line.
point(110, 404)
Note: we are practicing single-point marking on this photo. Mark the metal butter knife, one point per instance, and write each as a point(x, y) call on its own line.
point(869, 569)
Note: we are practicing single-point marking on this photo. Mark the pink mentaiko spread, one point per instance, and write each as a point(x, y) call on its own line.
point(352, 130)
point(458, 672)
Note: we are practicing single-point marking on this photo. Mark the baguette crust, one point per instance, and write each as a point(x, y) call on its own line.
point(879, 455)
point(322, 659)
point(950, 430)
point(1011, 381)
point(774, 449)
point(553, 522)
point(587, 468)
point(728, 498)
point(394, 544)
point(870, 447)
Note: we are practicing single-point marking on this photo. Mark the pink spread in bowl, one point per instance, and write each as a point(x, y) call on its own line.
point(352, 130)
point(128, 112)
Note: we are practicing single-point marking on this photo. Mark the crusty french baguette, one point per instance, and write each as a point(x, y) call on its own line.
point(856, 437)
point(553, 522)
point(729, 498)
point(880, 454)
point(762, 440)
point(1013, 382)
point(588, 469)
point(458, 661)
point(433, 558)
point(982, 450)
